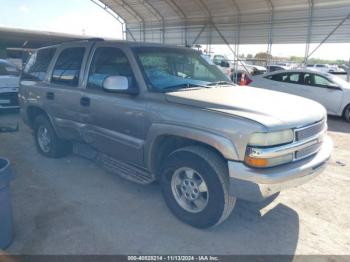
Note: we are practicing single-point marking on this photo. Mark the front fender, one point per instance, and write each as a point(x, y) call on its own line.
point(220, 143)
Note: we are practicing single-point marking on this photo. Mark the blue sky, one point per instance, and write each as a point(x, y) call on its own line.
point(69, 16)
point(84, 17)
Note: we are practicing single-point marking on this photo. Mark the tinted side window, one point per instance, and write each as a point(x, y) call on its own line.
point(308, 79)
point(109, 61)
point(37, 65)
point(321, 81)
point(278, 77)
point(293, 78)
point(68, 65)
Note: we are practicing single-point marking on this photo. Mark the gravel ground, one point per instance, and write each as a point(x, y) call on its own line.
point(71, 206)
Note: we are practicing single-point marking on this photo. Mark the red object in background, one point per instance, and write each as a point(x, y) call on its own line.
point(245, 80)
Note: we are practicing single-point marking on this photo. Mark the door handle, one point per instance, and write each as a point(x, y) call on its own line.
point(50, 95)
point(85, 101)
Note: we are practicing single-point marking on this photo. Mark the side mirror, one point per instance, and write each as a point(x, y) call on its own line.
point(333, 86)
point(118, 84)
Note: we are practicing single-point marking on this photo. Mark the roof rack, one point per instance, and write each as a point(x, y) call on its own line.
point(84, 39)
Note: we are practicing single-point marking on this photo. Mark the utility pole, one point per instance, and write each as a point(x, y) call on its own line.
point(348, 77)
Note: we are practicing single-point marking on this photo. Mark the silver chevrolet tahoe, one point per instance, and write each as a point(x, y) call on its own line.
point(152, 112)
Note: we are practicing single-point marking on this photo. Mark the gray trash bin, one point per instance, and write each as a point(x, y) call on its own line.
point(6, 223)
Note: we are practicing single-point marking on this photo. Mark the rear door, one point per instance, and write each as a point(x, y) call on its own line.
point(63, 98)
point(34, 78)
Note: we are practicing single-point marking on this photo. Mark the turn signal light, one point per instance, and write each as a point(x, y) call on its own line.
point(256, 162)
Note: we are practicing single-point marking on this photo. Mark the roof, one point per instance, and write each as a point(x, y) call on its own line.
point(299, 70)
point(238, 21)
point(14, 37)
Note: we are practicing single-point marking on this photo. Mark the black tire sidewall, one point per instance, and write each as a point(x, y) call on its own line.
point(347, 117)
point(42, 121)
point(215, 207)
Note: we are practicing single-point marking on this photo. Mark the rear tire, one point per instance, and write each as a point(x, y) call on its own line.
point(347, 113)
point(195, 186)
point(47, 141)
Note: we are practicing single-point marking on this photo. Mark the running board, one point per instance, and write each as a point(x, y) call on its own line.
point(113, 165)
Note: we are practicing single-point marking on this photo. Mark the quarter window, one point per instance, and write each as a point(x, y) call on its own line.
point(37, 65)
point(68, 65)
point(109, 61)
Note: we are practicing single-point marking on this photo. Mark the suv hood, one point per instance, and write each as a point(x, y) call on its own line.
point(274, 110)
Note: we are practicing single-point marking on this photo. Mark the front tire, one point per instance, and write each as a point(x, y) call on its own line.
point(47, 141)
point(195, 186)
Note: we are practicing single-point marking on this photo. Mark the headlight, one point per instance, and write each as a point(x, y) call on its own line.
point(262, 140)
point(272, 139)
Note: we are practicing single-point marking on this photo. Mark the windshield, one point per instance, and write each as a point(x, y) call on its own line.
point(173, 68)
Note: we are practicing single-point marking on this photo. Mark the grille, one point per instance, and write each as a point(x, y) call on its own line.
point(307, 151)
point(12, 97)
point(310, 131)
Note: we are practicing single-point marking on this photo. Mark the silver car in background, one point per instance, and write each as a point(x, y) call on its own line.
point(9, 83)
point(329, 90)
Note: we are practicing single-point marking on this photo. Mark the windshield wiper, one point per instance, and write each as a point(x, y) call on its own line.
point(183, 86)
point(221, 83)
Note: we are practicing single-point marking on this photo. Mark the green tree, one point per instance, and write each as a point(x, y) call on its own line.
point(263, 56)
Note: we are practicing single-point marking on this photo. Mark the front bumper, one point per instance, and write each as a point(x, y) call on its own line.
point(258, 184)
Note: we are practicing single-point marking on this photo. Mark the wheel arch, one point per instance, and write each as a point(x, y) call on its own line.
point(33, 112)
point(344, 109)
point(165, 139)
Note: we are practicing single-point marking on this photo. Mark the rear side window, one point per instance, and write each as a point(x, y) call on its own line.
point(37, 65)
point(278, 77)
point(293, 78)
point(109, 61)
point(67, 67)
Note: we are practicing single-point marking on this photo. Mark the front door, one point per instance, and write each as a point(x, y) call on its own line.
point(324, 91)
point(115, 122)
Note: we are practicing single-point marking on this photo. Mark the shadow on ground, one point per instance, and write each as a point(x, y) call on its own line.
point(338, 124)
